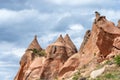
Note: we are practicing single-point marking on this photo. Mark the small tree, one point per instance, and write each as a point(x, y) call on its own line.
point(76, 75)
point(42, 53)
point(38, 52)
point(117, 60)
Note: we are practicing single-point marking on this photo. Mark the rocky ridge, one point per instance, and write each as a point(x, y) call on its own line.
point(62, 60)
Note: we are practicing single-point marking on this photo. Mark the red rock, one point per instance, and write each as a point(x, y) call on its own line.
point(70, 65)
point(69, 42)
point(103, 40)
point(100, 43)
point(27, 59)
point(57, 53)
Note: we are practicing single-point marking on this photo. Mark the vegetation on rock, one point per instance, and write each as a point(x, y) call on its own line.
point(39, 53)
point(76, 76)
point(117, 60)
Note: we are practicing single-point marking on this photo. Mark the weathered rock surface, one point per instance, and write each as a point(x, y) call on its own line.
point(70, 65)
point(62, 59)
point(98, 43)
point(45, 68)
point(27, 59)
point(69, 42)
point(118, 24)
point(96, 73)
point(57, 54)
point(86, 37)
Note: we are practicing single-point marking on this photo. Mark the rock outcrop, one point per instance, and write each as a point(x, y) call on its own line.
point(27, 60)
point(100, 42)
point(118, 24)
point(62, 59)
point(57, 54)
point(69, 42)
point(46, 68)
point(86, 37)
point(96, 73)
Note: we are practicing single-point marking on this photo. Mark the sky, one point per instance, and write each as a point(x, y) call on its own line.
point(20, 20)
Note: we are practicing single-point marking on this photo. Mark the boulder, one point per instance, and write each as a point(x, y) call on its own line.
point(97, 73)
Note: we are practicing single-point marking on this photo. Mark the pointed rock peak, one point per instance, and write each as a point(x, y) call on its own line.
point(69, 42)
point(97, 13)
point(60, 39)
point(67, 37)
point(34, 44)
point(119, 21)
point(35, 37)
point(118, 24)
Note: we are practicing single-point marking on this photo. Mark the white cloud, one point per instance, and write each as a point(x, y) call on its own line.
point(10, 48)
point(45, 40)
point(64, 15)
point(11, 16)
point(8, 70)
point(7, 64)
point(74, 2)
point(76, 27)
point(75, 31)
point(111, 14)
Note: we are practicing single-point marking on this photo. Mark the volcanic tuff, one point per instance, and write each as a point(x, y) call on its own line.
point(46, 67)
point(61, 58)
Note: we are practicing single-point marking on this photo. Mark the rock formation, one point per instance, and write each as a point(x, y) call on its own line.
point(118, 24)
point(69, 43)
point(86, 37)
point(27, 59)
point(102, 41)
point(45, 68)
point(62, 59)
point(57, 54)
point(97, 16)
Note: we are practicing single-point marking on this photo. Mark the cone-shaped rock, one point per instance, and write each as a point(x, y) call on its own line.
point(34, 44)
point(26, 60)
point(56, 57)
point(69, 42)
point(60, 39)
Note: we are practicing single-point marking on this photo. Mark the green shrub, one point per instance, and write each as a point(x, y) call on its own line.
point(76, 75)
point(38, 52)
point(109, 76)
point(117, 60)
point(42, 53)
point(35, 51)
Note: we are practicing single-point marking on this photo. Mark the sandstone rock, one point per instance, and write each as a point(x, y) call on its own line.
point(57, 53)
point(100, 42)
point(97, 15)
point(57, 49)
point(69, 65)
point(118, 24)
point(62, 59)
point(34, 69)
point(102, 39)
point(86, 37)
point(27, 59)
point(34, 44)
point(69, 42)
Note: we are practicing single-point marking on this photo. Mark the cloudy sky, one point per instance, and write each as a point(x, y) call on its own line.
point(20, 20)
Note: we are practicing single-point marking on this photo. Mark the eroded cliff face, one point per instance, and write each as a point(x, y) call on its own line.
point(62, 59)
point(57, 54)
point(34, 67)
point(27, 60)
point(99, 44)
